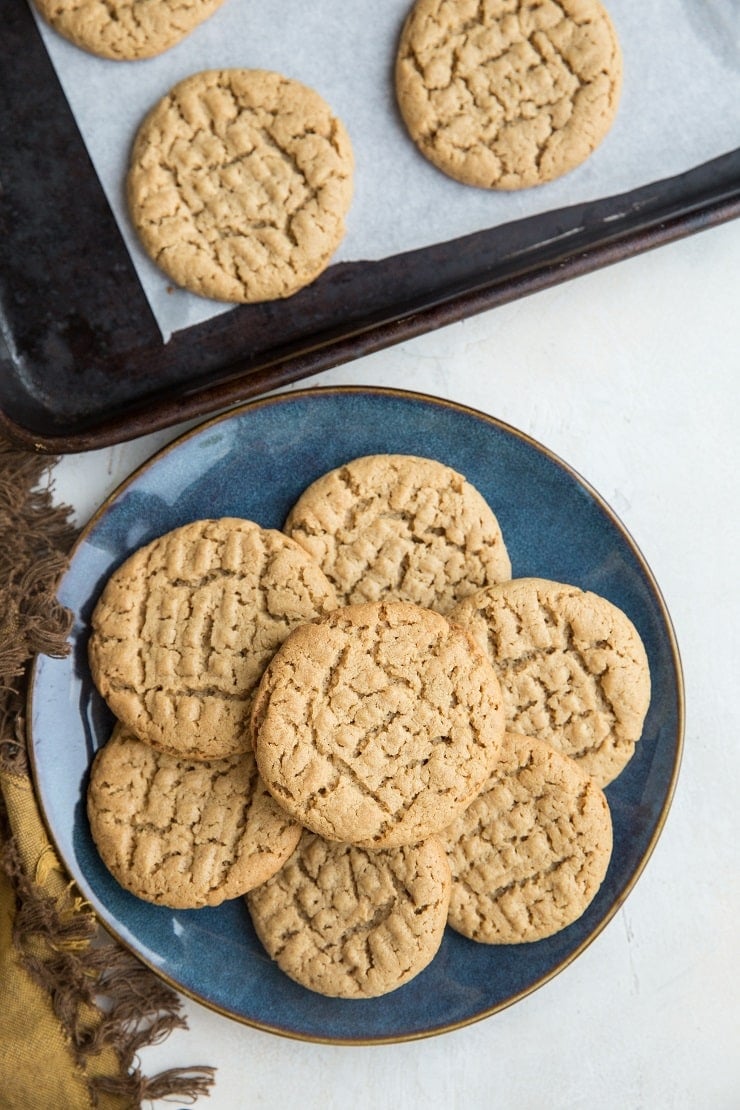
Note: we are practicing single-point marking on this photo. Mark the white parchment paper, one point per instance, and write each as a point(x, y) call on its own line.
point(680, 107)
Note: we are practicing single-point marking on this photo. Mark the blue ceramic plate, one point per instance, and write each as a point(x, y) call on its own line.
point(254, 462)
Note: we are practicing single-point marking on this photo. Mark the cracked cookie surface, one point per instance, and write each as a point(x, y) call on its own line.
point(124, 30)
point(530, 853)
point(506, 94)
point(351, 923)
point(239, 184)
point(572, 667)
point(377, 724)
point(180, 833)
point(185, 627)
point(400, 527)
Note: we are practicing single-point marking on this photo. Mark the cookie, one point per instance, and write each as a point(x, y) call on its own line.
point(350, 923)
point(400, 527)
point(508, 94)
point(530, 853)
point(572, 667)
point(180, 833)
point(239, 184)
point(124, 30)
point(185, 627)
point(377, 724)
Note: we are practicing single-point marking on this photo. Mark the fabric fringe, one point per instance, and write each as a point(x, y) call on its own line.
point(36, 537)
point(100, 993)
point(185, 1085)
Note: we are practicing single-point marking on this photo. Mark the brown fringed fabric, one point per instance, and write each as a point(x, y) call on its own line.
point(184, 1084)
point(35, 537)
point(101, 995)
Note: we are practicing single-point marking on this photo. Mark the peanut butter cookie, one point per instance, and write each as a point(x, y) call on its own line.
point(124, 30)
point(239, 184)
point(180, 833)
point(349, 923)
point(185, 627)
point(572, 667)
point(530, 853)
point(377, 724)
point(400, 527)
point(510, 93)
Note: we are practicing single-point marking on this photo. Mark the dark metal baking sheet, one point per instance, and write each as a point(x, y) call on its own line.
point(82, 361)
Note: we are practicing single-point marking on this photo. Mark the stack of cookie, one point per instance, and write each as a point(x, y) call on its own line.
point(363, 725)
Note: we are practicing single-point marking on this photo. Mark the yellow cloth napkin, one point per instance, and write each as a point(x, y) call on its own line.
point(39, 1066)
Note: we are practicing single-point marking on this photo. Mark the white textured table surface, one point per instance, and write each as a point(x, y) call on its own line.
point(632, 375)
